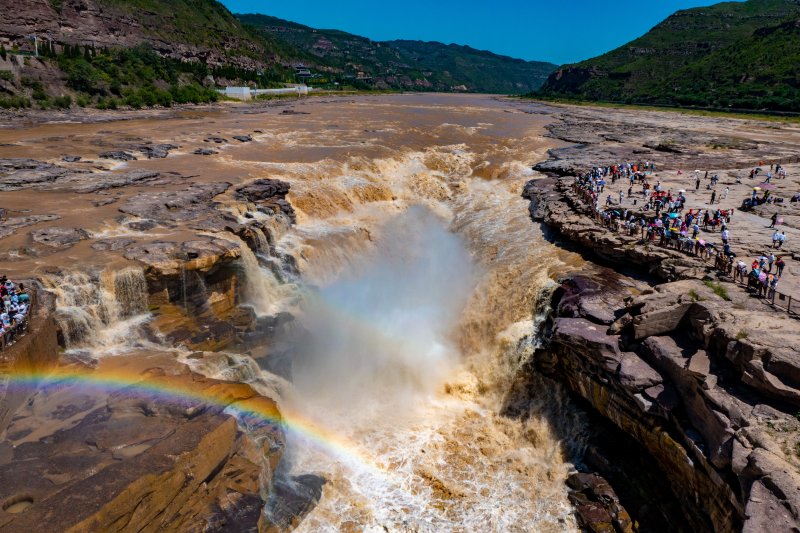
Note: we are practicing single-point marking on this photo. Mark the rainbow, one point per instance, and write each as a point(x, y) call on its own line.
point(249, 410)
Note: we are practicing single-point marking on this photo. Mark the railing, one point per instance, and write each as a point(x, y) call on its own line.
point(781, 300)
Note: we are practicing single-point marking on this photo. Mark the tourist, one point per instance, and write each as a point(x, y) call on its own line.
point(713, 197)
point(770, 261)
point(780, 264)
point(725, 193)
point(725, 236)
point(781, 239)
point(23, 293)
point(775, 239)
point(774, 219)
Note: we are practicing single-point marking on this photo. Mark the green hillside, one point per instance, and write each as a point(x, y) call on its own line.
point(730, 55)
point(107, 53)
point(408, 65)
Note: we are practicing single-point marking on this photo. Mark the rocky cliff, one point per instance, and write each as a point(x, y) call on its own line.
point(124, 458)
point(693, 393)
point(141, 442)
point(697, 385)
point(201, 31)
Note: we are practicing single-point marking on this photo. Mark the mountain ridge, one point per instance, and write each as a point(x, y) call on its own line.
point(133, 52)
point(719, 56)
point(404, 63)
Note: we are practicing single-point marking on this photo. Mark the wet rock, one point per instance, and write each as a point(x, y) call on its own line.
point(9, 226)
point(104, 202)
point(142, 225)
point(158, 151)
point(71, 158)
point(243, 138)
point(171, 259)
point(597, 505)
point(263, 189)
point(270, 195)
point(92, 183)
point(187, 204)
point(118, 155)
point(18, 173)
point(113, 245)
point(204, 151)
point(293, 497)
point(59, 237)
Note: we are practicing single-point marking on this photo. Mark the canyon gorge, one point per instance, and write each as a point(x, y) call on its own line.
point(341, 314)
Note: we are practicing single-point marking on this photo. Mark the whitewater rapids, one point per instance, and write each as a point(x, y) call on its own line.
point(427, 276)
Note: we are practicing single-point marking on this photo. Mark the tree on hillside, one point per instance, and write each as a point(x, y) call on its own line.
point(3, 52)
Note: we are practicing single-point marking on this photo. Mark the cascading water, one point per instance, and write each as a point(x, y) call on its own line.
point(426, 448)
point(263, 290)
point(102, 312)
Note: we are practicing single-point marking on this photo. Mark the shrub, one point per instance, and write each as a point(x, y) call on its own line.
point(718, 289)
point(3, 52)
point(134, 100)
point(62, 102)
point(741, 335)
point(6, 75)
point(694, 296)
point(13, 102)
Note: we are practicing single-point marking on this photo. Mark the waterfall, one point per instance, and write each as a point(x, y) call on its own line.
point(262, 288)
point(102, 310)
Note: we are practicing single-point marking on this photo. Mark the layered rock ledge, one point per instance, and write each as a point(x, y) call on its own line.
point(698, 385)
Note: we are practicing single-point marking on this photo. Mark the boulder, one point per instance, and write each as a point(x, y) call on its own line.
point(118, 155)
point(590, 340)
point(263, 189)
point(157, 151)
point(636, 374)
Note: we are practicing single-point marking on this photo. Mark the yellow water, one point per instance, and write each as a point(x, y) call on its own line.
point(437, 317)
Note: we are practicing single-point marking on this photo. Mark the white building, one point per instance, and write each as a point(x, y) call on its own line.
point(246, 93)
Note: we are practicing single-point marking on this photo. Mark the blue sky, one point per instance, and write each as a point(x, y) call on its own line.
point(561, 31)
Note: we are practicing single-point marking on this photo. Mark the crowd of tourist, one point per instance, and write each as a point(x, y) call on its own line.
point(16, 302)
point(662, 220)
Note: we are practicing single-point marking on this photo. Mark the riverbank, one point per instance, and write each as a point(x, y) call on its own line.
point(691, 373)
